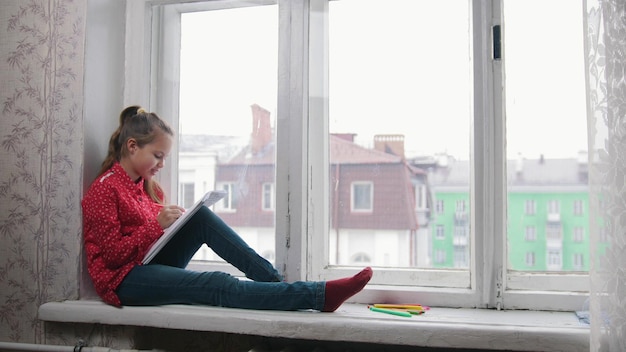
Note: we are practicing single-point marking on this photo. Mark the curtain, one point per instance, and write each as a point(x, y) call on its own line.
point(605, 44)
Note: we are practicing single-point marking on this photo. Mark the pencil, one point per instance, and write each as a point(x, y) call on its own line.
point(399, 306)
point(391, 311)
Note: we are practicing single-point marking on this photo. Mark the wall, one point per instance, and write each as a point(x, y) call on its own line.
point(41, 151)
point(62, 74)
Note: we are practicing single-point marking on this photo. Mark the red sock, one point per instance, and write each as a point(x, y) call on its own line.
point(338, 291)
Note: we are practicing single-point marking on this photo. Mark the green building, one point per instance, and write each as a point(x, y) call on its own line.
point(547, 214)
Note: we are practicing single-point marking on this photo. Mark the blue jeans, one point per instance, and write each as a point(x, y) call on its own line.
point(166, 281)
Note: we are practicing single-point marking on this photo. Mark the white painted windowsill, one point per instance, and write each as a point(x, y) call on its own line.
point(438, 327)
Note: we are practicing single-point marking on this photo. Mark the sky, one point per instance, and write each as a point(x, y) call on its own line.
point(399, 69)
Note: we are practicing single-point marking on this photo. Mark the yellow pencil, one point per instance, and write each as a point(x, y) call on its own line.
point(399, 306)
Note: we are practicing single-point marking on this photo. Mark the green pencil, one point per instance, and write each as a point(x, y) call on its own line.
point(391, 311)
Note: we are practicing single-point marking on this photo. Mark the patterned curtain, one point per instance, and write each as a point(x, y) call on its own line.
point(605, 41)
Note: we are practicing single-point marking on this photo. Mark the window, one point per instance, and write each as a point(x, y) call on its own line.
point(439, 206)
point(229, 202)
point(187, 194)
point(530, 207)
point(421, 198)
point(530, 233)
point(361, 199)
point(440, 256)
point(578, 207)
point(440, 232)
point(343, 129)
point(579, 261)
point(579, 234)
point(554, 259)
point(553, 207)
point(530, 259)
point(268, 196)
point(548, 173)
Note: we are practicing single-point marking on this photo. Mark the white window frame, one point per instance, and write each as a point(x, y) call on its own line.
point(353, 197)
point(302, 157)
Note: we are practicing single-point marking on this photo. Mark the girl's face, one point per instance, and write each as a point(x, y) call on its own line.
point(146, 161)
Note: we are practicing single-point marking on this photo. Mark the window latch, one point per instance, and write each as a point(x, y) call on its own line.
point(497, 42)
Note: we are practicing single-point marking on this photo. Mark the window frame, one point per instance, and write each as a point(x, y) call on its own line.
point(302, 158)
point(355, 192)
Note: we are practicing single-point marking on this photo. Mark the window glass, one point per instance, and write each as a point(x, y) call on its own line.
point(228, 99)
point(399, 118)
point(546, 134)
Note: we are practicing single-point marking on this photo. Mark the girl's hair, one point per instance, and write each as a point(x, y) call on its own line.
point(144, 127)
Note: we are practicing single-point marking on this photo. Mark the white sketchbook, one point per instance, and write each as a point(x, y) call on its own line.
point(208, 200)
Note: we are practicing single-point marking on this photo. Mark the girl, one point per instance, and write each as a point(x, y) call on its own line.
point(124, 213)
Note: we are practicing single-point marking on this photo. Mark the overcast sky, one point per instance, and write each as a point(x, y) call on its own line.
point(397, 70)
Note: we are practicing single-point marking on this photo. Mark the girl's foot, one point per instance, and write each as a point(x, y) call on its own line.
point(338, 291)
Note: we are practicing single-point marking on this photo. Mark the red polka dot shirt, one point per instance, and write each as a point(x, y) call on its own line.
point(119, 226)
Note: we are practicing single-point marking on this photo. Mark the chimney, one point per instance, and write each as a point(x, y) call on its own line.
point(261, 129)
point(390, 143)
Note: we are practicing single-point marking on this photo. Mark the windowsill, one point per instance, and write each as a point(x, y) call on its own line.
point(439, 327)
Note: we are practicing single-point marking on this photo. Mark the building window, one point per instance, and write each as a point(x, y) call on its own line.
point(421, 198)
point(579, 261)
point(578, 208)
point(530, 259)
point(439, 207)
point(461, 257)
point(229, 202)
point(440, 232)
point(530, 234)
point(554, 259)
point(268, 197)
point(187, 194)
point(530, 207)
point(579, 234)
point(362, 197)
point(553, 207)
point(440, 256)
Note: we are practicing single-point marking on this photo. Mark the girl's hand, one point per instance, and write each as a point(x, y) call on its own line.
point(169, 214)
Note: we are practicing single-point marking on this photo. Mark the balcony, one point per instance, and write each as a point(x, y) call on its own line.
point(554, 217)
